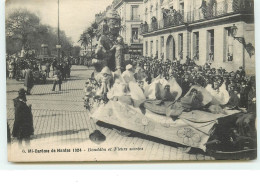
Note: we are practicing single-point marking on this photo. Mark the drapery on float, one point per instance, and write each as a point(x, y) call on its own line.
point(120, 94)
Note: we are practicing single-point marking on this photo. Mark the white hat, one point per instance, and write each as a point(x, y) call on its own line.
point(129, 66)
point(106, 70)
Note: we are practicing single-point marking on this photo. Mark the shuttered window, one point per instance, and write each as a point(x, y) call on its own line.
point(196, 50)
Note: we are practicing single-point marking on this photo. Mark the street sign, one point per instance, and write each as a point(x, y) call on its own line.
point(58, 46)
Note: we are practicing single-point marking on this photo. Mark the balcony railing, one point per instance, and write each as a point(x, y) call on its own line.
point(220, 9)
point(136, 41)
point(207, 12)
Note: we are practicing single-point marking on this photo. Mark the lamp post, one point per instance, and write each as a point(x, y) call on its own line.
point(58, 46)
point(234, 34)
point(239, 39)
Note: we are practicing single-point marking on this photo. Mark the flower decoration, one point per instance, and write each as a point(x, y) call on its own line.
point(91, 100)
point(190, 138)
point(145, 121)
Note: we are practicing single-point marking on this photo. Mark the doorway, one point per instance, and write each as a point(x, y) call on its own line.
point(170, 48)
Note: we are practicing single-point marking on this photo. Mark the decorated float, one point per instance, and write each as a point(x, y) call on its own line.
point(118, 95)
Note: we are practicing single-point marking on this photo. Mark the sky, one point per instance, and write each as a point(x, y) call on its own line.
point(75, 15)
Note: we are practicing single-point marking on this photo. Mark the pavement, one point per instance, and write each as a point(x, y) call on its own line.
point(60, 119)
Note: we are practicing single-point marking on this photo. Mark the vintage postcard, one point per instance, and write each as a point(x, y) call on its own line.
point(130, 80)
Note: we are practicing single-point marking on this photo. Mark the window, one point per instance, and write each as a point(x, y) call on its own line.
point(151, 48)
point(196, 50)
point(162, 41)
point(135, 34)
point(157, 7)
point(210, 45)
point(228, 45)
point(182, 8)
point(134, 13)
point(146, 48)
point(146, 14)
point(180, 45)
point(157, 47)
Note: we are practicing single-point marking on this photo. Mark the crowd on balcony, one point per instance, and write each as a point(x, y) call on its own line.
point(172, 17)
point(208, 9)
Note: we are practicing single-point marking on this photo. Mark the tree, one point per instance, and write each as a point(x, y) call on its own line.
point(88, 35)
point(25, 31)
point(66, 44)
point(91, 36)
point(22, 25)
point(75, 51)
point(84, 40)
point(92, 33)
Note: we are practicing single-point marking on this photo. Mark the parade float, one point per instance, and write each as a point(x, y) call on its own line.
point(118, 97)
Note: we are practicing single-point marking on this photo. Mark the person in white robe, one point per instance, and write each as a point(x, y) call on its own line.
point(156, 89)
point(220, 95)
point(128, 74)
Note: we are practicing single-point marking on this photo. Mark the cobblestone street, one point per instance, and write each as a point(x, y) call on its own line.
point(60, 118)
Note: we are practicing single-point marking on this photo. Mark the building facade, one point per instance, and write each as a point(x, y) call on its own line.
point(217, 31)
point(130, 12)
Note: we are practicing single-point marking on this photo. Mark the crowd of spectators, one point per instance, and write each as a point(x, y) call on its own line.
point(16, 67)
point(241, 87)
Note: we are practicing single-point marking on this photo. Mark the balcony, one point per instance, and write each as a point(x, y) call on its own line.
point(173, 18)
point(135, 18)
point(220, 9)
point(136, 41)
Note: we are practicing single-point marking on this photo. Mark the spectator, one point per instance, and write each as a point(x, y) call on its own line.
point(29, 82)
point(57, 79)
point(23, 121)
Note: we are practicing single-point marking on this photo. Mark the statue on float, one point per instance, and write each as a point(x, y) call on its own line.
point(108, 67)
point(108, 62)
point(110, 48)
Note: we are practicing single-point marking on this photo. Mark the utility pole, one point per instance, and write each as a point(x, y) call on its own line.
point(58, 46)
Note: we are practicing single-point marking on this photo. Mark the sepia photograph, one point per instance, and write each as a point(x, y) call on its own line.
point(130, 80)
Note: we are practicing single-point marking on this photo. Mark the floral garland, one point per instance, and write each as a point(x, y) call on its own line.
point(91, 100)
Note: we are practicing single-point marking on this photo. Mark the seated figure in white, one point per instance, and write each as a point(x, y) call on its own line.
point(220, 95)
point(128, 74)
point(161, 89)
point(140, 78)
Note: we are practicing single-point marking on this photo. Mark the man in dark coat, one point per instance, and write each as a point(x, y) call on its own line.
point(244, 94)
point(54, 64)
point(48, 69)
point(23, 122)
point(185, 85)
point(8, 134)
point(57, 78)
point(28, 82)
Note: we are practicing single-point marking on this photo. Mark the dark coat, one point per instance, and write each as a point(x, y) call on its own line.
point(58, 76)
point(233, 100)
point(185, 85)
point(251, 104)
point(23, 121)
point(244, 97)
point(47, 67)
point(28, 82)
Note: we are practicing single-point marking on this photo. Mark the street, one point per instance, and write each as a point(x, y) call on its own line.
point(60, 118)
